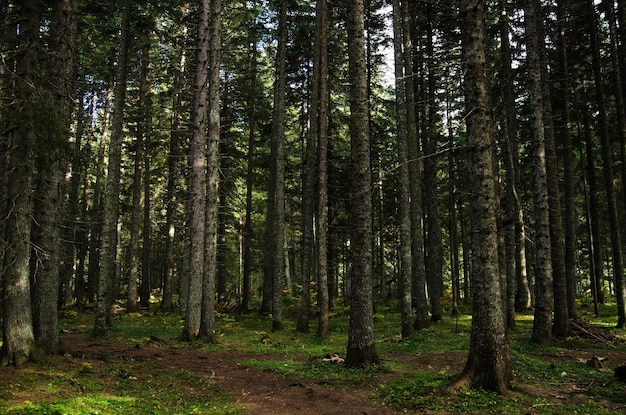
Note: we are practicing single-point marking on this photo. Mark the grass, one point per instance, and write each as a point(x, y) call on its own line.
point(547, 380)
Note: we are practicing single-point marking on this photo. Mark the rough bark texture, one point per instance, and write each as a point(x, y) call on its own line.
point(404, 201)
point(488, 363)
point(361, 351)
point(419, 297)
point(17, 329)
point(542, 324)
point(278, 157)
point(197, 183)
point(207, 325)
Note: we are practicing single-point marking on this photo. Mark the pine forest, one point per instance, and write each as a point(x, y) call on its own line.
point(293, 158)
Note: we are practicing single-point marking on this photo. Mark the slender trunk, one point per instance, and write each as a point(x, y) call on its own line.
point(404, 220)
point(542, 324)
point(605, 147)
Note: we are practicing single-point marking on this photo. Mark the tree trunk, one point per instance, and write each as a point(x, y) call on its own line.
point(488, 362)
point(46, 226)
point(404, 201)
point(605, 147)
point(207, 324)
point(361, 351)
point(542, 325)
point(418, 296)
point(108, 254)
point(146, 265)
point(323, 329)
point(434, 255)
point(197, 182)
point(17, 328)
point(278, 149)
point(570, 220)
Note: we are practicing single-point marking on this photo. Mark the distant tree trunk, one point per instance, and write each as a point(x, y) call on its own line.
point(404, 201)
point(207, 324)
point(488, 362)
point(18, 339)
point(542, 324)
point(361, 351)
point(323, 329)
point(197, 181)
point(593, 219)
point(570, 220)
point(173, 179)
point(106, 282)
point(95, 231)
point(418, 296)
point(434, 255)
point(247, 228)
point(133, 244)
point(605, 147)
point(146, 263)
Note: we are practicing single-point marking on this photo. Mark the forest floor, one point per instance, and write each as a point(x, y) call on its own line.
point(254, 372)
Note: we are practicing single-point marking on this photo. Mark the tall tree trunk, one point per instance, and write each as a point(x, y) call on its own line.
point(488, 362)
point(605, 147)
point(542, 325)
point(173, 179)
point(146, 249)
point(361, 349)
point(135, 222)
point(247, 228)
point(419, 297)
point(108, 254)
point(95, 231)
point(17, 319)
point(278, 167)
point(197, 182)
point(569, 196)
point(323, 329)
point(46, 227)
point(434, 255)
point(509, 153)
point(207, 324)
point(404, 201)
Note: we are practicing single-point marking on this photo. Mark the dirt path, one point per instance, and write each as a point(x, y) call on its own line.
point(260, 392)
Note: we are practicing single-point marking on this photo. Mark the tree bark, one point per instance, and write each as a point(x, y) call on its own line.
point(542, 324)
point(605, 148)
point(488, 362)
point(361, 350)
point(404, 201)
point(197, 182)
point(18, 340)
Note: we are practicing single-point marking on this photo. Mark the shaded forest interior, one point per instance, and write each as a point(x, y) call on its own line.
point(235, 155)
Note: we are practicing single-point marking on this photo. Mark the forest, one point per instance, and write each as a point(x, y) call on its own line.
point(307, 160)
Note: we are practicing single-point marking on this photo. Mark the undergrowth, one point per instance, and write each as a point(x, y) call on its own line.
point(412, 376)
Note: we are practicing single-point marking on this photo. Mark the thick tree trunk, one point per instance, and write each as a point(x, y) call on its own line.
point(17, 319)
point(488, 362)
point(361, 351)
